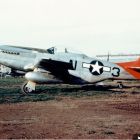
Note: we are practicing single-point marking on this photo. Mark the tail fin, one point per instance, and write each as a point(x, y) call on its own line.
point(132, 67)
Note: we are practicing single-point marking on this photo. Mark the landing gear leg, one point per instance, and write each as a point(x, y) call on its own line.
point(28, 87)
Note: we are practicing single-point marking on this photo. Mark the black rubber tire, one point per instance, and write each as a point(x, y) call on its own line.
point(25, 90)
point(120, 85)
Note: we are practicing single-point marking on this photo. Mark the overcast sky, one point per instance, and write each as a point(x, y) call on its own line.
point(88, 26)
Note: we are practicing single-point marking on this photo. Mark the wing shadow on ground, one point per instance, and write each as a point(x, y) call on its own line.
point(77, 89)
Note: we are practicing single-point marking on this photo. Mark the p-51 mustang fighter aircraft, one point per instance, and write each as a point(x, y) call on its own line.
point(43, 66)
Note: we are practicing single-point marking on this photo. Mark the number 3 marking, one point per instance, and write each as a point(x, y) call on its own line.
point(115, 72)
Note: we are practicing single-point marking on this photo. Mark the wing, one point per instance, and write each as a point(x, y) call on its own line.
point(54, 65)
point(57, 68)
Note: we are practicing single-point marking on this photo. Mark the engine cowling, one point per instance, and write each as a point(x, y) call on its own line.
point(39, 77)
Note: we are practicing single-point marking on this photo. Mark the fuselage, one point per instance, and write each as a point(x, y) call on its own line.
point(82, 67)
point(15, 57)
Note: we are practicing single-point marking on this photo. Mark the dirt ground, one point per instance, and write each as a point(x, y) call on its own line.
point(107, 116)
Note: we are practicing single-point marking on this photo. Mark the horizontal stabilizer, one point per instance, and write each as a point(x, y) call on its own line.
point(135, 68)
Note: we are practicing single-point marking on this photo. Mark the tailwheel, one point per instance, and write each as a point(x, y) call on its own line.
point(28, 88)
point(120, 85)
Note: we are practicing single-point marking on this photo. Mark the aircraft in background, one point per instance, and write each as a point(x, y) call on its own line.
point(6, 72)
point(46, 66)
point(118, 57)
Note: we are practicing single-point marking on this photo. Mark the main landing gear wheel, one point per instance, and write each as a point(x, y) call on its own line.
point(28, 88)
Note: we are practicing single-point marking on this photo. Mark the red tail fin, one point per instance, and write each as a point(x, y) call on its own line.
point(132, 67)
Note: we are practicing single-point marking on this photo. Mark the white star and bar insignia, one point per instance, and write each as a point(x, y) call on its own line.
point(96, 67)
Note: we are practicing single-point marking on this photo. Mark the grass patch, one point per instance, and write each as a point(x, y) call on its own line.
point(10, 91)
